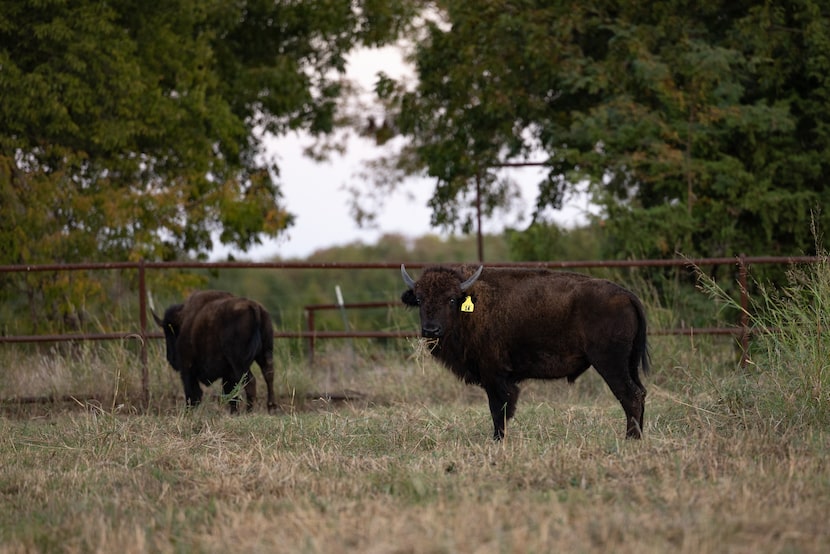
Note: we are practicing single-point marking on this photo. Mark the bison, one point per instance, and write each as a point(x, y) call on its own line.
point(216, 335)
point(496, 327)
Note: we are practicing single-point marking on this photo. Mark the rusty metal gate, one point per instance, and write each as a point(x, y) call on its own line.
point(740, 329)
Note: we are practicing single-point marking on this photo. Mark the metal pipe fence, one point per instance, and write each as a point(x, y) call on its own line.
point(741, 330)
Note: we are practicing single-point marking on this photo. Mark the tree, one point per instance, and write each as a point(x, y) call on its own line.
point(701, 127)
point(130, 130)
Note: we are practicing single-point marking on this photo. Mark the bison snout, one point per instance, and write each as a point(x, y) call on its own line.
point(432, 331)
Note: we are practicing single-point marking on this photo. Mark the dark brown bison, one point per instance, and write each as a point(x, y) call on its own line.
point(216, 335)
point(498, 327)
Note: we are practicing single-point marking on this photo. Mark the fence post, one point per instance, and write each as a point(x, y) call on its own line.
point(742, 282)
point(142, 321)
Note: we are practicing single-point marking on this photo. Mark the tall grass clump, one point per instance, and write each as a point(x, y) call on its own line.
point(787, 377)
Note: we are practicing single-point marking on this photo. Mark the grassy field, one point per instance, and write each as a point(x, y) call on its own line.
point(733, 459)
point(410, 467)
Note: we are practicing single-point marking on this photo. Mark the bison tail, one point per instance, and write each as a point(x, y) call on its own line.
point(255, 342)
point(639, 354)
point(266, 329)
point(254, 346)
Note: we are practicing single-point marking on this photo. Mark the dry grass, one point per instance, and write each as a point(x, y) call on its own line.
point(410, 466)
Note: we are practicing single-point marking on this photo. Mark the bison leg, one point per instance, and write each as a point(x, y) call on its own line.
point(229, 390)
point(250, 391)
point(266, 364)
point(502, 397)
point(192, 389)
point(239, 376)
point(632, 395)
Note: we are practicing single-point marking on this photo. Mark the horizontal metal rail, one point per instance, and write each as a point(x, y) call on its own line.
point(76, 337)
point(674, 262)
point(73, 337)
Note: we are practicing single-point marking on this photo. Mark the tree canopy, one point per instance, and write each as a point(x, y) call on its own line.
point(132, 130)
point(702, 127)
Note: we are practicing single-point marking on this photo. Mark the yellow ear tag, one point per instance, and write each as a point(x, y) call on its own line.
point(467, 305)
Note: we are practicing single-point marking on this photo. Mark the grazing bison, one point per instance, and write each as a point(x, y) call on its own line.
point(216, 335)
point(498, 327)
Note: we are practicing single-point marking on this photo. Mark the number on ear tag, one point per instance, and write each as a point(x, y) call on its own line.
point(467, 305)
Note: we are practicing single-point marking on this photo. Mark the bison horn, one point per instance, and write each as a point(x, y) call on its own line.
point(410, 282)
point(159, 321)
point(469, 282)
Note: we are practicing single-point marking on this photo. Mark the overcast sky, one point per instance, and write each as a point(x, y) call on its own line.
point(315, 192)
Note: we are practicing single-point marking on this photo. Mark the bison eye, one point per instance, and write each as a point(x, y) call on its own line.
point(452, 301)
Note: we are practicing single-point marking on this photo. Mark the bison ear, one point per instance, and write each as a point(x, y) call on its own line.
point(408, 298)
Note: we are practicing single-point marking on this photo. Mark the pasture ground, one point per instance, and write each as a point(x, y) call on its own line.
point(410, 466)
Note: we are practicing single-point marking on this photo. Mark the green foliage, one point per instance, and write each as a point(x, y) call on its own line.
point(701, 127)
point(542, 241)
point(789, 366)
point(132, 131)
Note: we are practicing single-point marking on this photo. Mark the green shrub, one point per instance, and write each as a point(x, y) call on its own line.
point(786, 380)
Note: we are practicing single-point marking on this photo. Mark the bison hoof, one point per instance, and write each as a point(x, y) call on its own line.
point(634, 430)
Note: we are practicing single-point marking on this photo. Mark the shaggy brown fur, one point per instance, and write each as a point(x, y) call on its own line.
point(533, 324)
point(216, 335)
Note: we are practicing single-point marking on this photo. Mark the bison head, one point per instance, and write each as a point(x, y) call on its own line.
point(439, 295)
point(171, 325)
